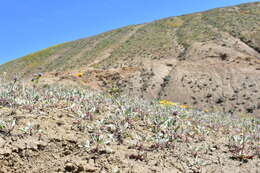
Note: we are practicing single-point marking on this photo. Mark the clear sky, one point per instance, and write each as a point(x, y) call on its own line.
point(27, 26)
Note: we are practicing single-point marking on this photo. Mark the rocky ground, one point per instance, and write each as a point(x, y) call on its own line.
point(53, 129)
point(160, 92)
point(230, 85)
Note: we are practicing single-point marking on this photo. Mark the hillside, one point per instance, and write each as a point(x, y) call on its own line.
point(208, 60)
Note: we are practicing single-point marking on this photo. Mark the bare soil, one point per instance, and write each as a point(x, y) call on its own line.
point(59, 148)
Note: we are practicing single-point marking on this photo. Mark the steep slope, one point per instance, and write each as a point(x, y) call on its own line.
point(208, 60)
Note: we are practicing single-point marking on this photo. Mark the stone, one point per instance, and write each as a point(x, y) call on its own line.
point(220, 100)
point(69, 167)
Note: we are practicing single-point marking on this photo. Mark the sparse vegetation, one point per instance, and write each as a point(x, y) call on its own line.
point(46, 126)
point(104, 121)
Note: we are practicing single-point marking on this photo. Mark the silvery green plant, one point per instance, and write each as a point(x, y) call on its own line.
point(118, 119)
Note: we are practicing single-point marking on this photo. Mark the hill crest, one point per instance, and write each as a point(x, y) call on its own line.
point(206, 60)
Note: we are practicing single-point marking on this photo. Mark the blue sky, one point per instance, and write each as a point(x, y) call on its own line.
point(27, 26)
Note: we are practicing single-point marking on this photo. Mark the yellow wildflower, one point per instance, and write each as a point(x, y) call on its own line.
point(166, 102)
point(80, 74)
point(183, 106)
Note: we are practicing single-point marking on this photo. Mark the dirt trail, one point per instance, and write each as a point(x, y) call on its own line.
point(107, 53)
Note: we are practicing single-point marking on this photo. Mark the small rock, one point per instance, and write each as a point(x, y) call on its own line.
point(66, 153)
point(250, 109)
point(220, 100)
point(2, 142)
point(90, 168)
point(5, 151)
point(236, 91)
point(109, 150)
point(69, 167)
point(60, 123)
point(91, 161)
point(80, 168)
point(193, 98)
point(209, 95)
point(232, 98)
point(41, 146)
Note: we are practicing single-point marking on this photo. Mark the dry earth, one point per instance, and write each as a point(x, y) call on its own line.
point(209, 61)
point(47, 131)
